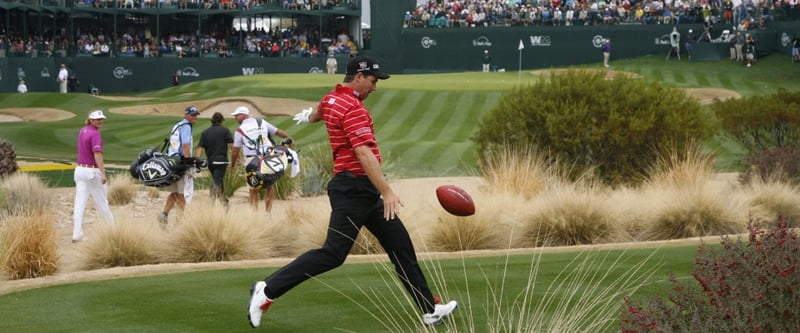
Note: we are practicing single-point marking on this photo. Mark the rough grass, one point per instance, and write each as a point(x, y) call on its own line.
point(522, 171)
point(571, 213)
point(121, 189)
point(210, 232)
point(25, 194)
point(29, 246)
point(767, 200)
point(689, 204)
point(490, 228)
point(127, 242)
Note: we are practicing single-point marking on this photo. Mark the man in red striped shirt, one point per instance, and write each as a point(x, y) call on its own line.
point(359, 196)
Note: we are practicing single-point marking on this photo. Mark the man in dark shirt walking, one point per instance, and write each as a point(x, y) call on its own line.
point(216, 141)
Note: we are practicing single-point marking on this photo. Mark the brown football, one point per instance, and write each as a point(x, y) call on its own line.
point(455, 200)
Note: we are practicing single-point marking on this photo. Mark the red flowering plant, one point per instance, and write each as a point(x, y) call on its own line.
point(740, 287)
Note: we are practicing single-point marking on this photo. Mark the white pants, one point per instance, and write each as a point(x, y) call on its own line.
point(62, 86)
point(87, 182)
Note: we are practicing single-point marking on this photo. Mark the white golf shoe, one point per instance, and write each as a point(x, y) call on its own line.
point(259, 303)
point(440, 313)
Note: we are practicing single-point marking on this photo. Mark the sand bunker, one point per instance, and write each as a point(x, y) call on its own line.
point(259, 107)
point(33, 114)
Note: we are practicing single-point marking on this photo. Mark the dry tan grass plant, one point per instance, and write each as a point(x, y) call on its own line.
point(128, 242)
point(25, 194)
point(767, 200)
point(690, 204)
point(693, 167)
point(490, 227)
point(571, 214)
point(29, 246)
point(121, 189)
point(523, 171)
point(207, 232)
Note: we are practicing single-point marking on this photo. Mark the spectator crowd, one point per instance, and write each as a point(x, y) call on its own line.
point(472, 13)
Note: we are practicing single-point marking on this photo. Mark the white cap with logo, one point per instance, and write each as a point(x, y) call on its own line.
point(241, 110)
point(97, 114)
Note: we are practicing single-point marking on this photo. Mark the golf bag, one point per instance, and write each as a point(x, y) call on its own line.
point(268, 167)
point(155, 168)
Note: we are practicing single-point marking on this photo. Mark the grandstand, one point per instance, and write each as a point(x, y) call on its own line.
point(139, 45)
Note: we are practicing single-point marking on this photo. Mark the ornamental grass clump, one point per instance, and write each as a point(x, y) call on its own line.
point(127, 242)
point(28, 245)
point(738, 287)
point(25, 194)
point(121, 190)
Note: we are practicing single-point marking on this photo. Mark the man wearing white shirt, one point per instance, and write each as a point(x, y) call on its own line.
point(63, 75)
point(252, 138)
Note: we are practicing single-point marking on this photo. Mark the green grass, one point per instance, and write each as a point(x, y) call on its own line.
point(214, 301)
point(425, 120)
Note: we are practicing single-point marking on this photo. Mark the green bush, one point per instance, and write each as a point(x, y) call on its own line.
point(768, 127)
point(761, 122)
point(613, 127)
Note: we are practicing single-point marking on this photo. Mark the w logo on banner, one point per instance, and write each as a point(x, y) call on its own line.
point(252, 70)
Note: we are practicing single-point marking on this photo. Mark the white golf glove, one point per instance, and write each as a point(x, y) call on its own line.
point(302, 117)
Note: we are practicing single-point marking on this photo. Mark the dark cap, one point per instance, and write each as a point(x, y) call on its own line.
point(366, 65)
point(191, 110)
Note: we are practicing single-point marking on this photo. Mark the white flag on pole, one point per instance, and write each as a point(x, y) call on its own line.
point(521, 46)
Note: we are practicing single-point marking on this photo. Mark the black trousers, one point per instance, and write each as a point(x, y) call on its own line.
point(355, 202)
point(217, 181)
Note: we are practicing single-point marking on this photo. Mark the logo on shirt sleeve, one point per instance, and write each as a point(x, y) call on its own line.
point(332, 101)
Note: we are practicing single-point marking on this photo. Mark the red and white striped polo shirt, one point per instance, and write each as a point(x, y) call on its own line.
point(349, 125)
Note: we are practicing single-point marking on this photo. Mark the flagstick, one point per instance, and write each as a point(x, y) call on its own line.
point(520, 66)
point(520, 47)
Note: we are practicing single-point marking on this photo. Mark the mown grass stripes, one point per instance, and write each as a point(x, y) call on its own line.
point(441, 110)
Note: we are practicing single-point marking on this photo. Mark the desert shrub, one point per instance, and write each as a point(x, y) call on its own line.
point(571, 214)
point(127, 242)
point(317, 170)
point(782, 163)
point(740, 287)
point(490, 227)
point(25, 194)
point(121, 189)
point(768, 127)
point(613, 127)
point(689, 203)
point(29, 246)
point(8, 159)
point(766, 200)
point(521, 170)
point(209, 232)
point(762, 121)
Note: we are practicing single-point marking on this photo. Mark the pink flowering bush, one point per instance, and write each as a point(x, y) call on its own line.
point(740, 287)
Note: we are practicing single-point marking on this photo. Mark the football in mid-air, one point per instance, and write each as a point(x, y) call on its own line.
point(455, 200)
